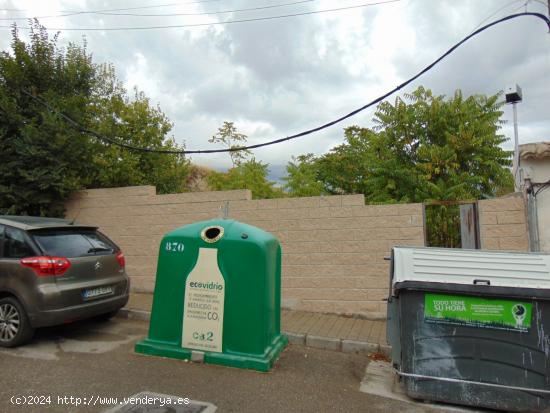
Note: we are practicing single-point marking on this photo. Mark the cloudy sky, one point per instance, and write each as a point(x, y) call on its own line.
point(278, 77)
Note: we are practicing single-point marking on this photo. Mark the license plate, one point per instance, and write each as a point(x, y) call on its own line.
point(97, 292)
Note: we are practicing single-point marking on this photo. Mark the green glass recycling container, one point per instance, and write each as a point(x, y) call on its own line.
point(217, 296)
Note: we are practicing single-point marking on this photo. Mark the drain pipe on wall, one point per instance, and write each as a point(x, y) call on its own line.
point(532, 216)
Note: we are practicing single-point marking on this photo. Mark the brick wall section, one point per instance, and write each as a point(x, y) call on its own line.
point(333, 247)
point(503, 224)
point(136, 219)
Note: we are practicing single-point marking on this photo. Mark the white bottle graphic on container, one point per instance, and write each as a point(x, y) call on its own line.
point(204, 304)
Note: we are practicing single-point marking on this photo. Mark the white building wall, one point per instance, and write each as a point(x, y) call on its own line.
point(543, 206)
point(535, 162)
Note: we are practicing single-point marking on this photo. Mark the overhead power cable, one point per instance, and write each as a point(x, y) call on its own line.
point(71, 12)
point(271, 6)
point(183, 26)
point(494, 13)
point(306, 132)
point(542, 187)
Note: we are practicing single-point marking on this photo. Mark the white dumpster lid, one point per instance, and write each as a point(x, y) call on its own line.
point(459, 266)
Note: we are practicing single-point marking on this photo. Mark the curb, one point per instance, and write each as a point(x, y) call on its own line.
point(324, 343)
point(380, 380)
point(303, 339)
point(353, 346)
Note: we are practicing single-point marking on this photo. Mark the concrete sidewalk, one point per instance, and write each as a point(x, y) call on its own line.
point(326, 331)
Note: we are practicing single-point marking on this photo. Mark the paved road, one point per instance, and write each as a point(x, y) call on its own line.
point(96, 358)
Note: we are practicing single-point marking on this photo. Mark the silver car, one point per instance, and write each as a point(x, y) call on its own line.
point(53, 271)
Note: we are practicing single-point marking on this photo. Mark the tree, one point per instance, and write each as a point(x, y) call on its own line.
point(227, 135)
point(301, 179)
point(251, 175)
point(245, 174)
point(427, 147)
point(136, 122)
point(45, 158)
point(422, 148)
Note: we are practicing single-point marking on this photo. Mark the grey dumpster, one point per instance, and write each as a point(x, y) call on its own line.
point(471, 327)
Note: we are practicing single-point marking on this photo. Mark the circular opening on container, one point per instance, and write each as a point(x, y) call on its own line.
point(212, 234)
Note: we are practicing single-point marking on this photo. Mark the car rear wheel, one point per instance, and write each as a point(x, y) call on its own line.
point(15, 328)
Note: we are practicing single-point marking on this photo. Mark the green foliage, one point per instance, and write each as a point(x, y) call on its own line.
point(135, 122)
point(251, 175)
point(245, 174)
point(364, 164)
point(427, 148)
point(507, 185)
point(443, 226)
point(301, 179)
point(44, 159)
point(422, 148)
point(228, 136)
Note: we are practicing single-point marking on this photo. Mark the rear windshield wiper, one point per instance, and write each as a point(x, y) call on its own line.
point(99, 249)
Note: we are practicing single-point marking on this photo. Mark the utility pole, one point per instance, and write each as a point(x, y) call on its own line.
point(515, 168)
point(514, 96)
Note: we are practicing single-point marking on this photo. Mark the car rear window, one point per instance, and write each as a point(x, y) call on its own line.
point(73, 243)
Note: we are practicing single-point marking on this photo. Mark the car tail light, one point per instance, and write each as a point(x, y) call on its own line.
point(121, 259)
point(45, 265)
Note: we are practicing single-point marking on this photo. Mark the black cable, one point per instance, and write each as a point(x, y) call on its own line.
point(181, 26)
point(73, 12)
point(309, 131)
point(272, 6)
point(498, 11)
point(104, 138)
point(543, 186)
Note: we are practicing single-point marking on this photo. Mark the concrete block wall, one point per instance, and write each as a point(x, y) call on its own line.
point(136, 219)
point(333, 247)
point(503, 224)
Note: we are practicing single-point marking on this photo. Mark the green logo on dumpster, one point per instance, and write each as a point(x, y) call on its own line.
point(477, 312)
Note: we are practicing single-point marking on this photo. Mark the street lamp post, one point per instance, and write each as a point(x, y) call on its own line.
point(514, 96)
